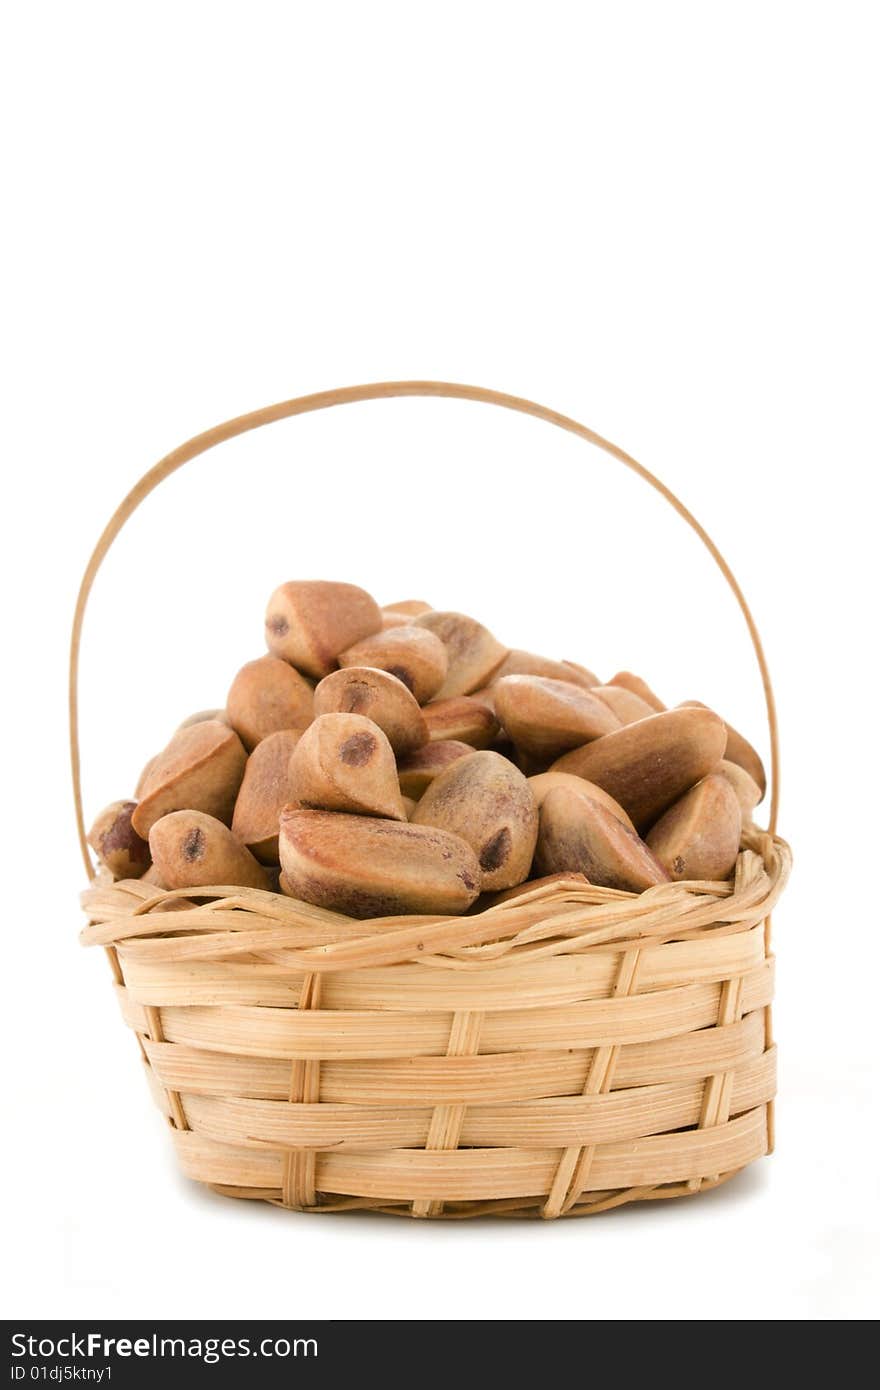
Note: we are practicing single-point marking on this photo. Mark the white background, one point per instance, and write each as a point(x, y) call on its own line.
point(661, 219)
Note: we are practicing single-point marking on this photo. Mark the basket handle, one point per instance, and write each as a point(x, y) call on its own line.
point(346, 395)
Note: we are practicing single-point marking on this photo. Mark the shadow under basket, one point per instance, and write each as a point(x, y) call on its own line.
point(567, 1051)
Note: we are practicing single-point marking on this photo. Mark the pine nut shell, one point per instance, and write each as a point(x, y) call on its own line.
point(192, 850)
point(200, 770)
point(117, 844)
point(648, 765)
point(268, 695)
point(580, 835)
point(411, 653)
point(626, 704)
point(520, 663)
point(310, 621)
point(417, 770)
point(461, 718)
point(375, 868)
point(266, 789)
point(698, 837)
point(377, 695)
point(545, 782)
point(487, 801)
point(472, 652)
point(545, 717)
point(344, 762)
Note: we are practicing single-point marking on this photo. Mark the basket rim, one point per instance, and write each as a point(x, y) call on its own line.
point(558, 918)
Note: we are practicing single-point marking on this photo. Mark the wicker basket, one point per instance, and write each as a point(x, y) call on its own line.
point(566, 1052)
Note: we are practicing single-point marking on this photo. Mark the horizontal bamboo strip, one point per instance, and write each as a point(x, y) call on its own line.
point(320, 1033)
point(503, 1207)
point(511, 1206)
point(244, 927)
point(130, 896)
point(414, 988)
point(450, 1080)
point(405, 1175)
point(570, 1120)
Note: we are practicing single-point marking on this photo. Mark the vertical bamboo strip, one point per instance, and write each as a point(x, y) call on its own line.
point(716, 1092)
point(446, 1121)
point(154, 1023)
point(574, 1165)
point(298, 1188)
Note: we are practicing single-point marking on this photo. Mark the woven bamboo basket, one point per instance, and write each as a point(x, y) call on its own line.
point(571, 1050)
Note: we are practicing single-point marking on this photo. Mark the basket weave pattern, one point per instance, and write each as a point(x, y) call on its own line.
point(564, 1052)
point(568, 1051)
